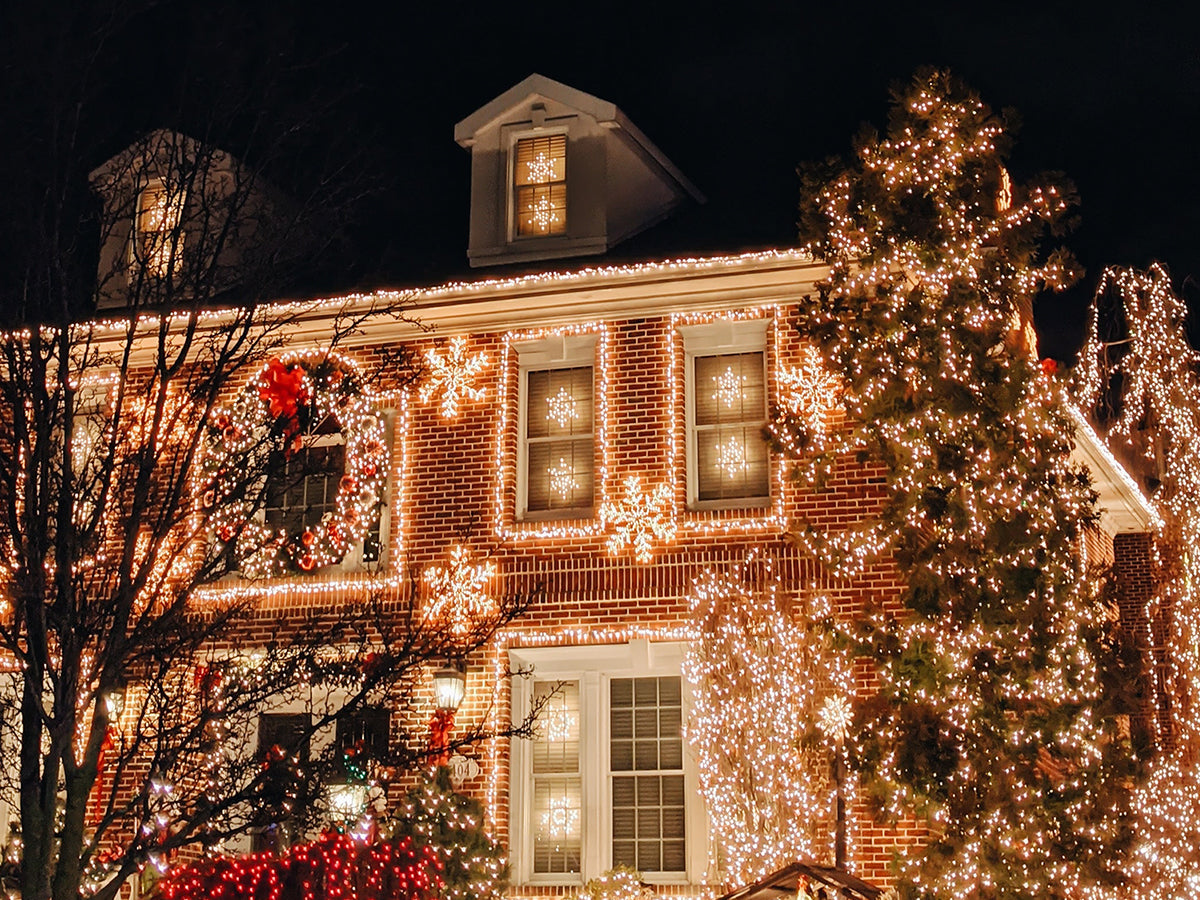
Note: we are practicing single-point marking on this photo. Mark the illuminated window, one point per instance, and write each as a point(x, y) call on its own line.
point(540, 185)
point(726, 380)
point(605, 781)
point(557, 446)
point(158, 239)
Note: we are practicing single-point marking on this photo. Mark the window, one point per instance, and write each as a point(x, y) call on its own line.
point(362, 737)
point(557, 424)
point(726, 378)
point(158, 240)
point(283, 749)
point(605, 780)
point(540, 185)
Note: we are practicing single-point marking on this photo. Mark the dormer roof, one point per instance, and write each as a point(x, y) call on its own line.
point(617, 182)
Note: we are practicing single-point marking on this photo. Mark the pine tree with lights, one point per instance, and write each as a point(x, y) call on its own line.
point(989, 722)
point(1139, 371)
point(433, 815)
point(761, 675)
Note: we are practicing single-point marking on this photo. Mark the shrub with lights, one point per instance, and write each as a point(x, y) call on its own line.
point(294, 398)
point(989, 722)
point(333, 867)
point(437, 819)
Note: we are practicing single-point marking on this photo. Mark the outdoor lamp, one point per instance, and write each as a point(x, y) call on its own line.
point(114, 701)
point(449, 686)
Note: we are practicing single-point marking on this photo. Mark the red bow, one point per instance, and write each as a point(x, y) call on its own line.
point(283, 388)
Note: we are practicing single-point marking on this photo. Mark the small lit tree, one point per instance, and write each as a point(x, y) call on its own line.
point(989, 722)
point(762, 672)
point(1139, 372)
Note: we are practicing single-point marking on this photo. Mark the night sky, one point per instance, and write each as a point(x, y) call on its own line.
point(736, 94)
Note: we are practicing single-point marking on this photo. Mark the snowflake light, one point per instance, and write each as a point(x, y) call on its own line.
point(540, 169)
point(731, 457)
point(639, 518)
point(562, 479)
point(543, 214)
point(459, 592)
point(729, 388)
point(561, 820)
point(562, 408)
point(809, 390)
point(834, 718)
point(453, 376)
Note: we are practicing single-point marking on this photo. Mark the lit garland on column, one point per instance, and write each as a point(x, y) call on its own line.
point(1157, 373)
point(989, 723)
point(291, 395)
point(760, 676)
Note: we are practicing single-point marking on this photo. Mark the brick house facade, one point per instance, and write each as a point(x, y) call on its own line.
point(587, 377)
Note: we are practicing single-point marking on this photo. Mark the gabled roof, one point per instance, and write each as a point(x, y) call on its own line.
point(604, 112)
point(783, 883)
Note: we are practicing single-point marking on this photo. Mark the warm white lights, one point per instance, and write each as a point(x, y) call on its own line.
point(810, 391)
point(562, 479)
point(459, 593)
point(560, 820)
point(731, 457)
point(729, 387)
point(540, 169)
point(639, 518)
point(452, 375)
point(562, 408)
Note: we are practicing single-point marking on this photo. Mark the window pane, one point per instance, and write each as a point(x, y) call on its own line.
point(730, 402)
point(560, 451)
point(556, 747)
point(539, 185)
point(558, 819)
point(648, 808)
point(731, 462)
point(303, 487)
point(730, 388)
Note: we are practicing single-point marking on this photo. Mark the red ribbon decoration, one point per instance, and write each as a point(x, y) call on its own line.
point(283, 389)
point(440, 727)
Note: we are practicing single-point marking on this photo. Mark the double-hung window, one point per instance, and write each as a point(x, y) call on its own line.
point(605, 780)
point(158, 238)
point(726, 406)
point(557, 447)
point(539, 186)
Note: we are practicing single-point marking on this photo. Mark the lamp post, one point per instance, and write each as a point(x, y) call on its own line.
point(449, 688)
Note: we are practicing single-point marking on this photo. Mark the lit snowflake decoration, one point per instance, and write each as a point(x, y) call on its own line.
point(540, 169)
point(729, 388)
point(453, 376)
point(810, 391)
point(543, 213)
point(639, 518)
point(562, 408)
point(835, 717)
point(559, 722)
point(562, 479)
point(459, 592)
point(731, 457)
point(561, 820)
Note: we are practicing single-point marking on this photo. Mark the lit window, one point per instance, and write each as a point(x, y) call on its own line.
point(540, 185)
point(726, 377)
point(605, 780)
point(158, 241)
point(557, 447)
point(283, 751)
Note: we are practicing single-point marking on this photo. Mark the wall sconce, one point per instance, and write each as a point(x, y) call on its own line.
point(114, 701)
point(449, 687)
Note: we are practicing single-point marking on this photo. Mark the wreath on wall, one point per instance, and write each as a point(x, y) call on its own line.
point(292, 398)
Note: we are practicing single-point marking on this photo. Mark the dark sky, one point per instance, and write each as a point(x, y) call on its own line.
point(736, 94)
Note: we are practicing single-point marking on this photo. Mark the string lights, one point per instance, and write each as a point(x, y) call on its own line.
point(639, 518)
point(459, 592)
point(452, 376)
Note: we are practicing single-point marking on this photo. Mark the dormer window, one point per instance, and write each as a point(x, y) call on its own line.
point(158, 241)
point(540, 185)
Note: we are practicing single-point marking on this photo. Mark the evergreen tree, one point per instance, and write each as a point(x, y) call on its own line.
point(451, 824)
point(988, 722)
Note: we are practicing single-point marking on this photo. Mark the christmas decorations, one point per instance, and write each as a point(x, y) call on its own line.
point(618, 883)
point(809, 391)
point(334, 867)
point(294, 398)
point(1150, 373)
point(453, 375)
point(989, 721)
point(639, 518)
point(450, 827)
point(459, 592)
point(761, 679)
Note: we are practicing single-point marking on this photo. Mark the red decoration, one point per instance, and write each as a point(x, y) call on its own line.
point(333, 867)
point(440, 727)
point(284, 388)
point(1049, 367)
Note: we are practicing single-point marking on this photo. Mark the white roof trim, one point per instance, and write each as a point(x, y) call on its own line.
point(1123, 506)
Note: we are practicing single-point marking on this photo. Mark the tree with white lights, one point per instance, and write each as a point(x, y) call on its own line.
point(989, 720)
point(763, 673)
point(1139, 371)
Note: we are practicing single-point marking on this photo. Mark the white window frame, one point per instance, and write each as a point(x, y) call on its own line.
point(567, 351)
point(723, 337)
point(594, 666)
point(511, 189)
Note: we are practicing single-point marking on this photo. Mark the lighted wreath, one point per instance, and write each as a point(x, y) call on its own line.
point(269, 419)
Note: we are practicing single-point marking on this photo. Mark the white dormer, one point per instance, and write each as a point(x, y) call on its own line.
point(556, 172)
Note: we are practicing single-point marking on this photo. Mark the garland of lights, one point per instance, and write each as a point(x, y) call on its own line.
point(289, 398)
